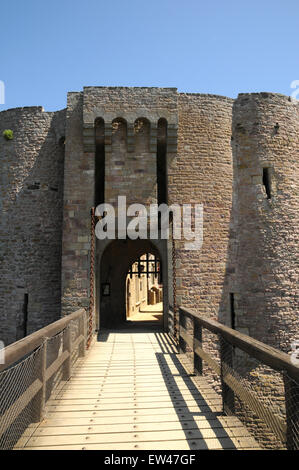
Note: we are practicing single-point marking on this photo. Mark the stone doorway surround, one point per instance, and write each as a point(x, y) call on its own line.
point(114, 259)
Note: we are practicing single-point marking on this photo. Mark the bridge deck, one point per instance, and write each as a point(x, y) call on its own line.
point(132, 392)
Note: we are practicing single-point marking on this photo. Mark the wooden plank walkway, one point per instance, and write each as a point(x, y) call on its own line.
point(132, 392)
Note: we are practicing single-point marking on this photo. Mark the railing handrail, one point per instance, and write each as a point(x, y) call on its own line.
point(190, 336)
point(270, 356)
point(18, 350)
point(57, 347)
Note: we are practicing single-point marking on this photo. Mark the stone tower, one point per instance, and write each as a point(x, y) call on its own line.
point(31, 188)
point(265, 217)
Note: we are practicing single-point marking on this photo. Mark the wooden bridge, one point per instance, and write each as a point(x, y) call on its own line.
point(131, 390)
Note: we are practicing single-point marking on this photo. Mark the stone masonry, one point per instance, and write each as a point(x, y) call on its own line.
point(31, 191)
point(236, 157)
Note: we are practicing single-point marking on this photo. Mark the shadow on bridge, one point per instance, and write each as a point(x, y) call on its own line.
point(130, 327)
point(197, 415)
point(187, 418)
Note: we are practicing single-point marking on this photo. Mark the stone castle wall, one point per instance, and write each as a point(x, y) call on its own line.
point(202, 174)
point(262, 271)
point(130, 167)
point(78, 199)
point(238, 158)
point(131, 118)
point(249, 240)
point(31, 188)
point(266, 136)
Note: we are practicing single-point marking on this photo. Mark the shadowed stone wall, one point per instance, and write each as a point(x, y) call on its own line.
point(266, 136)
point(31, 189)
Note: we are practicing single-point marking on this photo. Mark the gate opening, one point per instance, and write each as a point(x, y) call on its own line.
point(144, 290)
point(131, 274)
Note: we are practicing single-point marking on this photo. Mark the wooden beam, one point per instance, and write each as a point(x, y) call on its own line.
point(272, 357)
point(16, 351)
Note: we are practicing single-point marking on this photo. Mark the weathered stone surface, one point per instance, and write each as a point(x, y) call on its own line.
point(31, 189)
point(266, 254)
point(216, 151)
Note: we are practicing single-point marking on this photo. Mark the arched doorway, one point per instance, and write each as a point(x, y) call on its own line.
point(114, 265)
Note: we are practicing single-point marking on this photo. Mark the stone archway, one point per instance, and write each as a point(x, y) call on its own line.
point(115, 262)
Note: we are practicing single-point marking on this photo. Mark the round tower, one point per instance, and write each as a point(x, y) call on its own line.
point(265, 146)
point(31, 193)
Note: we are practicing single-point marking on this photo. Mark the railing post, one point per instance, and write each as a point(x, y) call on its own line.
point(198, 337)
point(226, 358)
point(82, 331)
point(67, 346)
point(39, 401)
point(191, 330)
point(181, 343)
point(292, 412)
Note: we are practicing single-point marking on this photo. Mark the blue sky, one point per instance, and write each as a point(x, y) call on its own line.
point(220, 47)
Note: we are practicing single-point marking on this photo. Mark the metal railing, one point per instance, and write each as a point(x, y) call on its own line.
point(33, 369)
point(258, 384)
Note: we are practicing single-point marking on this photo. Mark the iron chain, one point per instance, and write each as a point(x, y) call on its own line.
point(91, 276)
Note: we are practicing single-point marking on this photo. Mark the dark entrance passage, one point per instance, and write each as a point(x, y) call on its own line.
point(116, 282)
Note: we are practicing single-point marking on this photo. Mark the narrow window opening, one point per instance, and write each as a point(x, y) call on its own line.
point(99, 161)
point(267, 181)
point(23, 319)
point(35, 185)
point(25, 314)
point(232, 311)
point(61, 142)
point(162, 161)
